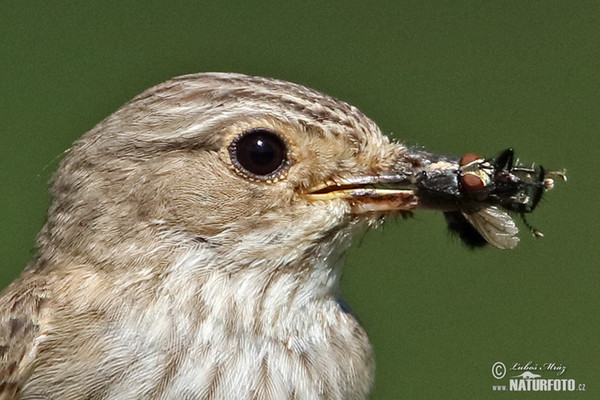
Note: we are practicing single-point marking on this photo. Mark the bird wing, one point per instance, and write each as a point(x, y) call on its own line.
point(22, 308)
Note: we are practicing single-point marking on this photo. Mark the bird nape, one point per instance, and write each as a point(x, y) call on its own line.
point(196, 239)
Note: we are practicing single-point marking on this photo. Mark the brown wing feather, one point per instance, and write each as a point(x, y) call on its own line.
point(22, 310)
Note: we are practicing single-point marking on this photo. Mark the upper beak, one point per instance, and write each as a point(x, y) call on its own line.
point(474, 193)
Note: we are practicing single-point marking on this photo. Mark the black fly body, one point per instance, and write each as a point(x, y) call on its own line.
point(479, 194)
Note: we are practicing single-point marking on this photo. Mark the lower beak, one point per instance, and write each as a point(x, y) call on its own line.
point(364, 199)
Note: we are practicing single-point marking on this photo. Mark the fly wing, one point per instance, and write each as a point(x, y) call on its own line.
point(496, 226)
point(460, 226)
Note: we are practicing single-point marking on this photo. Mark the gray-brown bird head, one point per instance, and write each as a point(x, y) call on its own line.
point(194, 244)
point(243, 165)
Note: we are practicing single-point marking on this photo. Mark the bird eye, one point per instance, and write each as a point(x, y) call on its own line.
point(258, 152)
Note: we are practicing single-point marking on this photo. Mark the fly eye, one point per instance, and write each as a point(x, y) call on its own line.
point(471, 183)
point(259, 152)
point(468, 159)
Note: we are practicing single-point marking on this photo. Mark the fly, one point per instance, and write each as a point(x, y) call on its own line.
point(478, 195)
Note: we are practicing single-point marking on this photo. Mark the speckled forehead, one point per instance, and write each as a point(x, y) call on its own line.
point(255, 96)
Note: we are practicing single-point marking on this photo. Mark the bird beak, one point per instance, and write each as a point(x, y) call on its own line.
point(474, 193)
point(398, 189)
point(369, 193)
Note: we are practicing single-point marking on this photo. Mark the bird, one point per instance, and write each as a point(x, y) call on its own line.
point(196, 239)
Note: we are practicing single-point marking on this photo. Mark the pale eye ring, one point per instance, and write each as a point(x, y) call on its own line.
point(259, 153)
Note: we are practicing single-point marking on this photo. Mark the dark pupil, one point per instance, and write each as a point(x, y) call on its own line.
point(260, 152)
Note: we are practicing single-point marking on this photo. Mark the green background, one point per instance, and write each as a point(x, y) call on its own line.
point(454, 77)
